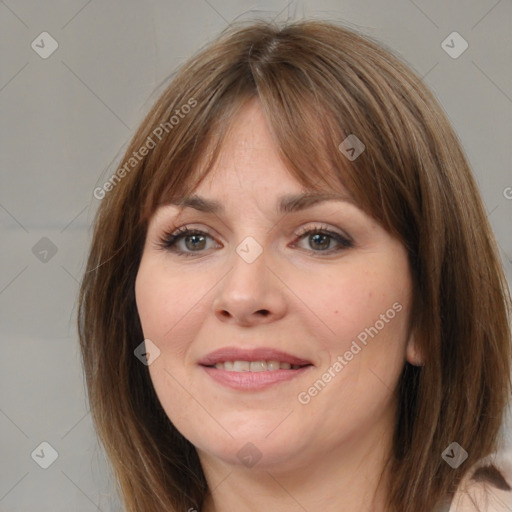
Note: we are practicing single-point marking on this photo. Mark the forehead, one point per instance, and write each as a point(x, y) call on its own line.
point(243, 160)
point(248, 149)
point(249, 157)
point(287, 203)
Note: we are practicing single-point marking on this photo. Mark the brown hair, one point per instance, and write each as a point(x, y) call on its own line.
point(317, 82)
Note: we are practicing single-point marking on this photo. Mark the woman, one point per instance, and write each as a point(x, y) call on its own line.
point(293, 299)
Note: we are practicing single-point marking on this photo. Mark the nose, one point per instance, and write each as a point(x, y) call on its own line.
point(250, 293)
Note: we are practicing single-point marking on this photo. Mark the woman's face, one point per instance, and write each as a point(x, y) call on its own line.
point(271, 333)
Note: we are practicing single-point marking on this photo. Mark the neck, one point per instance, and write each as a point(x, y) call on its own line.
point(346, 478)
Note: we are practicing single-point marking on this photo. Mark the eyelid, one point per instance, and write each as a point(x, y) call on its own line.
point(175, 234)
point(323, 227)
point(169, 239)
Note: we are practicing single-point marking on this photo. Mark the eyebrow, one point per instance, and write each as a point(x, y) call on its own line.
point(286, 204)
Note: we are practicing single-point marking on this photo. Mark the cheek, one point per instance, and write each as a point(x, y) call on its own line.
point(345, 304)
point(172, 307)
point(372, 325)
point(361, 315)
point(158, 304)
point(366, 317)
point(166, 303)
point(152, 302)
point(169, 317)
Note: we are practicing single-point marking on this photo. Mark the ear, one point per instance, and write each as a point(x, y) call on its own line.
point(414, 354)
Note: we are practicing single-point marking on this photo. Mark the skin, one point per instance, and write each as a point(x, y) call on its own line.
point(326, 454)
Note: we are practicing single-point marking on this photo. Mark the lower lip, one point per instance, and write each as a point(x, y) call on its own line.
point(251, 381)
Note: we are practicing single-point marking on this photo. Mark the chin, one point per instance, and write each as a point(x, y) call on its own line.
point(253, 455)
point(255, 444)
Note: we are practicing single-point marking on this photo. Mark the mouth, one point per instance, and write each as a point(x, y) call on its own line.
point(255, 366)
point(252, 360)
point(252, 369)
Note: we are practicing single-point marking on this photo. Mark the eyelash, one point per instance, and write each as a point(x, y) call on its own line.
point(168, 240)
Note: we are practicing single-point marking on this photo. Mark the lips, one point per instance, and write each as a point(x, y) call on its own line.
point(253, 369)
point(253, 355)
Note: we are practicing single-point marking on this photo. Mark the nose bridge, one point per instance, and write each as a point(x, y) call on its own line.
point(247, 277)
point(249, 290)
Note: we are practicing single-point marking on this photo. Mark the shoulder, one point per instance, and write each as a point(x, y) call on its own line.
point(487, 487)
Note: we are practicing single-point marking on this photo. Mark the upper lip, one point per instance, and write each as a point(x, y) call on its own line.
point(250, 354)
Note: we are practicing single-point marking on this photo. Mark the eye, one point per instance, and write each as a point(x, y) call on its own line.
point(320, 239)
point(185, 241)
point(194, 241)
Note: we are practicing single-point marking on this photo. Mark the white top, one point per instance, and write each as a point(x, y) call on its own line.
point(484, 497)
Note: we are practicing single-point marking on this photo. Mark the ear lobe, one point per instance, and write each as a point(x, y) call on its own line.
point(414, 354)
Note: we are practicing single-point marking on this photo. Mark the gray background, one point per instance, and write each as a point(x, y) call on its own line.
point(65, 120)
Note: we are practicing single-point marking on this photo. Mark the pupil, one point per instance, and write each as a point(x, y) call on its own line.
point(315, 238)
point(325, 237)
point(193, 245)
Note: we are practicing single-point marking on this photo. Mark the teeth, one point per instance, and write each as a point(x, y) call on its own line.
point(241, 366)
point(273, 365)
point(254, 366)
point(258, 366)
